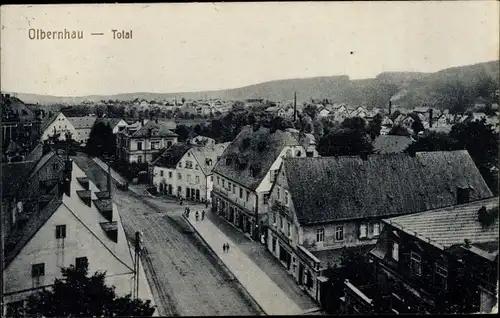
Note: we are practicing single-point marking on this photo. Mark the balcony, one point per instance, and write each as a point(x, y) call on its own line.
point(280, 208)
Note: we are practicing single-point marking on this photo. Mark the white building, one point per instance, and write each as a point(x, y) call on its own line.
point(79, 224)
point(57, 124)
point(82, 128)
point(185, 170)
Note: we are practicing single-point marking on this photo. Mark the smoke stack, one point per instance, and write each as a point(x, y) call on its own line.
point(390, 107)
point(295, 107)
point(430, 117)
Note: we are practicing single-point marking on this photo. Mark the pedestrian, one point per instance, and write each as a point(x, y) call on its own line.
point(187, 212)
point(197, 215)
point(181, 201)
point(206, 204)
point(202, 215)
point(227, 247)
point(224, 247)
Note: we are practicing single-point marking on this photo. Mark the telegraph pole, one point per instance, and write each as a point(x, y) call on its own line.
point(137, 263)
point(1, 267)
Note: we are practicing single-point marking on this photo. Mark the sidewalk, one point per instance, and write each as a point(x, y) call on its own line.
point(272, 299)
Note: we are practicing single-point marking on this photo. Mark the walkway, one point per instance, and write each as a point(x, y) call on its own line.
point(272, 299)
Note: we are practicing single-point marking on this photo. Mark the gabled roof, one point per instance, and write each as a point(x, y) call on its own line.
point(451, 225)
point(171, 157)
point(201, 153)
point(391, 144)
point(328, 189)
point(48, 122)
point(251, 155)
point(157, 130)
point(82, 122)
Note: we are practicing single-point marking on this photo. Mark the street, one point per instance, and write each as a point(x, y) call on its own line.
point(184, 277)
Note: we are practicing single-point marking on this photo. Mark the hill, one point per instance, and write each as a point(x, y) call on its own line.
point(405, 89)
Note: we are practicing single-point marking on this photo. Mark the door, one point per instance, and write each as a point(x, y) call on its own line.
point(169, 189)
point(161, 187)
point(301, 274)
point(197, 195)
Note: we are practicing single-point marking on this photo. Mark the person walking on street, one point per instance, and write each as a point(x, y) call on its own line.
point(197, 215)
point(224, 247)
point(206, 204)
point(181, 201)
point(187, 212)
point(227, 247)
point(202, 215)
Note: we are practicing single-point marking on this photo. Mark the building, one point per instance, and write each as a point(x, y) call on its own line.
point(80, 224)
point(57, 125)
point(425, 262)
point(244, 174)
point(116, 124)
point(203, 140)
point(185, 170)
point(144, 142)
point(320, 205)
point(278, 111)
point(82, 127)
point(323, 112)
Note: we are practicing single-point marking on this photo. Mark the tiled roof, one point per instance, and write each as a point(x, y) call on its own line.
point(84, 194)
point(102, 195)
point(82, 122)
point(208, 152)
point(46, 123)
point(162, 129)
point(13, 175)
point(343, 188)
point(103, 205)
point(391, 144)
point(451, 225)
point(21, 236)
point(262, 149)
point(170, 157)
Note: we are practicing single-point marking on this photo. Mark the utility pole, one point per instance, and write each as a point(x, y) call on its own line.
point(1, 267)
point(295, 107)
point(137, 260)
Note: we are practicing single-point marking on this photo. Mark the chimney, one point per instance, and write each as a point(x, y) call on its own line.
point(430, 117)
point(390, 107)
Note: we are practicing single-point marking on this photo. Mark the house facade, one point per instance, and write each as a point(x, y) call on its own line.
point(185, 171)
point(82, 127)
point(144, 142)
point(438, 261)
point(57, 124)
point(77, 226)
point(318, 206)
point(244, 175)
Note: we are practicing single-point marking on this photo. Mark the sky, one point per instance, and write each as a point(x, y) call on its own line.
point(207, 46)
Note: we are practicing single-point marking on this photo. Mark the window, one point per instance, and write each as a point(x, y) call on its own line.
point(180, 164)
point(189, 178)
point(362, 231)
point(212, 178)
point(286, 197)
point(248, 195)
point(208, 162)
point(288, 228)
point(139, 159)
point(339, 233)
point(161, 173)
point(189, 164)
point(38, 270)
point(376, 229)
point(197, 167)
point(218, 180)
point(274, 244)
point(60, 231)
point(298, 153)
point(224, 183)
point(416, 264)
point(278, 191)
point(54, 166)
point(241, 193)
point(281, 222)
point(275, 216)
point(155, 145)
point(395, 251)
point(229, 185)
point(309, 154)
point(179, 176)
point(139, 145)
point(179, 190)
point(440, 276)
point(234, 188)
point(170, 174)
point(320, 235)
point(81, 262)
point(197, 179)
point(266, 198)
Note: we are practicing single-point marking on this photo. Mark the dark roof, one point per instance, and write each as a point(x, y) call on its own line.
point(451, 225)
point(18, 238)
point(35, 154)
point(46, 123)
point(343, 188)
point(391, 144)
point(13, 175)
point(256, 158)
point(102, 195)
point(84, 194)
point(170, 157)
point(103, 205)
point(111, 121)
point(161, 129)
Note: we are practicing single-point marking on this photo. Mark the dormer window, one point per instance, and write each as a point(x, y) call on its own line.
point(395, 251)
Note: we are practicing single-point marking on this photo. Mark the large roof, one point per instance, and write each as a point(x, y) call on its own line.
point(342, 188)
point(82, 122)
point(451, 225)
point(391, 144)
point(201, 153)
point(13, 174)
point(160, 129)
point(170, 157)
point(47, 121)
point(251, 155)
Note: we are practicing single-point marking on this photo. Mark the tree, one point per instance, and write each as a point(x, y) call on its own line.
point(398, 130)
point(78, 295)
point(434, 141)
point(343, 142)
point(456, 97)
point(183, 131)
point(375, 126)
point(417, 125)
point(101, 141)
point(311, 110)
point(355, 123)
